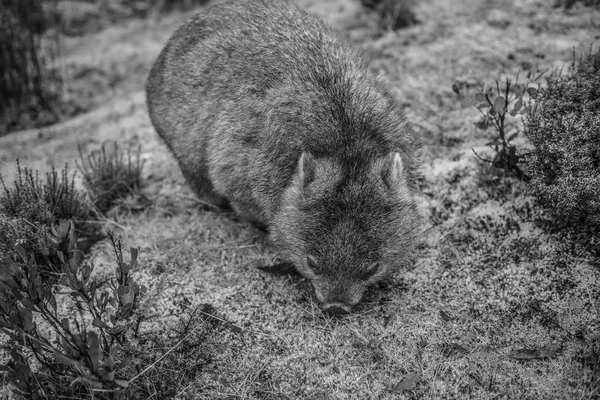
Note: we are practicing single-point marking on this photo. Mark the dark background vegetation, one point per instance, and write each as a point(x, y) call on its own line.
point(31, 69)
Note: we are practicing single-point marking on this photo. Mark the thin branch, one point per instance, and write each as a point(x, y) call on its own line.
point(481, 158)
point(164, 355)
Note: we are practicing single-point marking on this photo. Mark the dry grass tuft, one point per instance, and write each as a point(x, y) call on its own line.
point(111, 176)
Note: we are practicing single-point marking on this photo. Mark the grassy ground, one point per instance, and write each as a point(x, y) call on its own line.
point(497, 304)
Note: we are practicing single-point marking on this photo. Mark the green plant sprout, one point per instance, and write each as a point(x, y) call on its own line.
point(495, 104)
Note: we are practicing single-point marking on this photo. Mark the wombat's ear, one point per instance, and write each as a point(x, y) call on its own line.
point(392, 172)
point(306, 169)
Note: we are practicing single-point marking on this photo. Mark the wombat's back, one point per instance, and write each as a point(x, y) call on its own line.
point(242, 89)
point(221, 73)
point(243, 43)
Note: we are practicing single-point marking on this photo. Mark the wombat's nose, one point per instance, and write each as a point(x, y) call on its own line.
point(337, 309)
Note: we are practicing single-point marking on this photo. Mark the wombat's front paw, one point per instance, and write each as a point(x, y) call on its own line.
point(282, 268)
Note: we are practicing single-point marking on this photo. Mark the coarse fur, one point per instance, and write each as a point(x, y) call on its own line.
point(269, 111)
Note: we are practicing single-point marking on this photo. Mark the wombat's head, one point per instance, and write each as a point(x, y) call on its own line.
point(346, 223)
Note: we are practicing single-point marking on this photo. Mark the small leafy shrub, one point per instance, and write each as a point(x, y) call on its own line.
point(564, 129)
point(44, 202)
point(496, 104)
point(32, 205)
point(111, 175)
point(393, 14)
point(103, 350)
point(34, 238)
point(53, 354)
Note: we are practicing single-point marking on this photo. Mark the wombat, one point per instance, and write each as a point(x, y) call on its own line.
point(270, 112)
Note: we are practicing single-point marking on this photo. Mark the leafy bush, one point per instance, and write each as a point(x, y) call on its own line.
point(111, 176)
point(564, 129)
point(496, 104)
point(44, 202)
point(32, 205)
point(82, 358)
point(99, 351)
point(393, 14)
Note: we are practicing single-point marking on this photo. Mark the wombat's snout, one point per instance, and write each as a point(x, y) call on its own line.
point(336, 308)
point(337, 299)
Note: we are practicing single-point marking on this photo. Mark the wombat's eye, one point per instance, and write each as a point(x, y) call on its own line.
point(371, 270)
point(313, 264)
